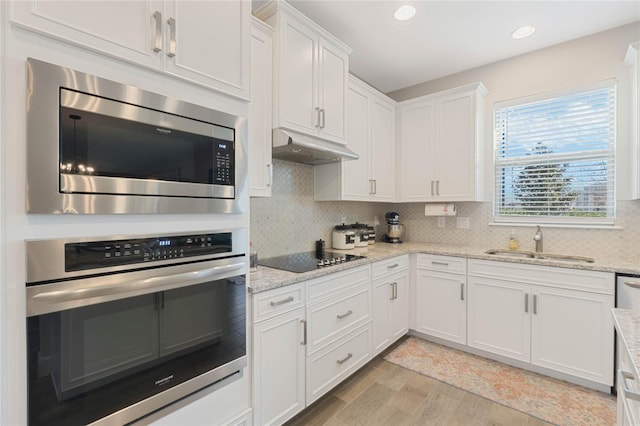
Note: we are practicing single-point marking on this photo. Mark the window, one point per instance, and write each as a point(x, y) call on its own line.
point(554, 157)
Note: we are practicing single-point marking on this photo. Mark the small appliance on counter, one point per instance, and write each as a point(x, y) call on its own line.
point(343, 238)
point(372, 235)
point(394, 229)
point(361, 234)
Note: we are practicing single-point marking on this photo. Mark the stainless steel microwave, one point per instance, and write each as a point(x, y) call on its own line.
point(95, 146)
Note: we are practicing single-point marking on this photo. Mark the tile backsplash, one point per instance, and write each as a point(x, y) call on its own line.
point(291, 221)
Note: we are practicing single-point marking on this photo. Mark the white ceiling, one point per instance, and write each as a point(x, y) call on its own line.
point(446, 37)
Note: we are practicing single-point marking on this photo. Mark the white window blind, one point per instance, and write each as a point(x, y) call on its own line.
point(554, 158)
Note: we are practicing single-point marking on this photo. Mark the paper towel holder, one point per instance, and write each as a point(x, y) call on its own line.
point(440, 209)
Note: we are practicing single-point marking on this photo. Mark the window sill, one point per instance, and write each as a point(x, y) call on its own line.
point(606, 226)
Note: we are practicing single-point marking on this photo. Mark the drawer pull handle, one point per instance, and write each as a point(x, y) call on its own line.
point(304, 331)
point(345, 359)
point(172, 37)
point(628, 393)
point(630, 283)
point(157, 44)
point(461, 291)
point(283, 301)
point(526, 303)
point(535, 304)
point(346, 314)
point(395, 265)
point(394, 290)
point(439, 263)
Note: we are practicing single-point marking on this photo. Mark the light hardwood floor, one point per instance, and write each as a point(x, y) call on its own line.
point(382, 393)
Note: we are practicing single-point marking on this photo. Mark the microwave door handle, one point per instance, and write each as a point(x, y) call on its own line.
point(156, 283)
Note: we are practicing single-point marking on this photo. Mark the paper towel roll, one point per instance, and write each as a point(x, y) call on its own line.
point(440, 209)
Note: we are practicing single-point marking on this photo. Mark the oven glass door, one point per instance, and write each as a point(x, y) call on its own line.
point(110, 147)
point(89, 362)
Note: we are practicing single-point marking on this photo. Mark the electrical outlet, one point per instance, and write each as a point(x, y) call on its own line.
point(343, 219)
point(376, 221)
point(462, 222)
point(442, 221)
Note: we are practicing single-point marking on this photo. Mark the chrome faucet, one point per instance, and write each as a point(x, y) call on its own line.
point(538, 239)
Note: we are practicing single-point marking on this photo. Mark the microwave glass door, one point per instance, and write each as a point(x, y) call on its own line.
point(111, 147)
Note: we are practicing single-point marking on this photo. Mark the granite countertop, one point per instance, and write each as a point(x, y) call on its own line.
point(269, 278)
point(627, 323)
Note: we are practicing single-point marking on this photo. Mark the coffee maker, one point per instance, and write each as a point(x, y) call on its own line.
point(394, 229)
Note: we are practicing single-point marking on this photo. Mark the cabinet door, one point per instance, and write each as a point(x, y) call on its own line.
point(126, 30)
point(498, 317)
point(295, 97)
point(279, 368)
point(210, 42)
point(382, 149)
point(418, 135)
point(572, 332)
point(440, 306)
point(332, 91)
point(454, 150)
point(400, 307)
point(382, 297)
point(390, 310)
point(260, 166)
point(356, 172)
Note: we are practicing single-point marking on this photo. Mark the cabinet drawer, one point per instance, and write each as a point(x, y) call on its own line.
point(331, 319)
point(442, 263)
point(332, 284)
point(390, 266)
point(572, 279)
point(277, 301)
point(328, 367)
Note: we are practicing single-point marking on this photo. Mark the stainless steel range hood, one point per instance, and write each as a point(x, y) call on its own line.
point(293, 146)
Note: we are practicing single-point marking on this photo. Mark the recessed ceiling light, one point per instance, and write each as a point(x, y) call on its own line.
point(523, 32)
point(405, 12)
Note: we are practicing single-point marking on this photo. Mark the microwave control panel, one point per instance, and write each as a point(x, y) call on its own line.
point(223, 163)
point(104, 254)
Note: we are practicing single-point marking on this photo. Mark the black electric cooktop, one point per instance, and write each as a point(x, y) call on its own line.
point(308, 261)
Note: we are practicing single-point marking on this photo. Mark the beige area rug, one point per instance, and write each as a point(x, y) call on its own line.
point(552, 400)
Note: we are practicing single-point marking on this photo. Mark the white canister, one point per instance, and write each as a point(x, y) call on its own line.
point(343, 239)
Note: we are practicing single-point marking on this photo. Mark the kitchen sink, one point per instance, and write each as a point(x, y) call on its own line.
point(542, 256)
point(512, 253)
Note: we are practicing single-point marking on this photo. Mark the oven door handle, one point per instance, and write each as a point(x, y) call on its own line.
point(135, 286)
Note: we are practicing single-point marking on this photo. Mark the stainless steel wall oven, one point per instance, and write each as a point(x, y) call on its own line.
point(120, 327)
point(95, 146)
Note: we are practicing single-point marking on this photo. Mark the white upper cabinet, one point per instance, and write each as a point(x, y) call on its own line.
point(210, 43)
point(181, 38)
point(310, 74)
point(260, 166)
point(633, 59)
point(441, 146)
point(371, 134)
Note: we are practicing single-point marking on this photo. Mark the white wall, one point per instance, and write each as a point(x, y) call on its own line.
point(589, 59)
point(17, 226)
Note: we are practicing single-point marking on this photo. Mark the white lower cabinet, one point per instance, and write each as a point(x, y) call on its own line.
point(390, 301)
point(499, 317)
point(279, 368)
point(332, 364)
point(310, 336)
point(546, 319)
point(440, 303)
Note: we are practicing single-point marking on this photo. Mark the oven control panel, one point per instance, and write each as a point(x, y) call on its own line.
point(80, 256)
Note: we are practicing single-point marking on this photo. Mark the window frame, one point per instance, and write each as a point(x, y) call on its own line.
point(609, 219)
